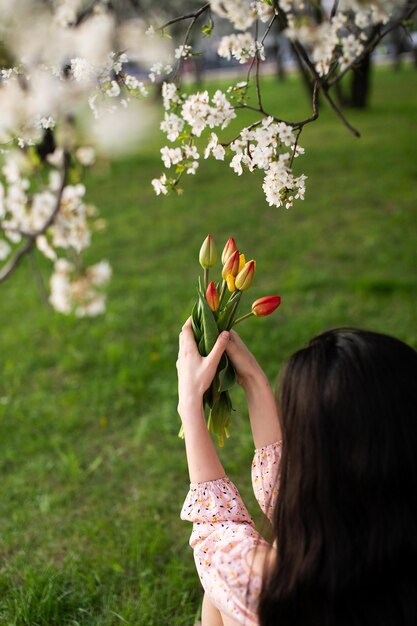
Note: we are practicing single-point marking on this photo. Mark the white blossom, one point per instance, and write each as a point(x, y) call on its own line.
point(47, 250)
point(172, 125)
point(169, 95)
point(47, 122)
point(183, 52)
point(240, 46)
point(60, 286)
point(215, 148)
point(100, 273)
point(158, 69)
point(191, 167)
point(82, 70)
point(113, 90)
point(171, 156)
point(241, 13)
point(285, 133)
point(160, 185)
point(5, 249)
point(362, 19)
point(86, 155)
point(264, 10)
point(236, 164)
point(133, 83)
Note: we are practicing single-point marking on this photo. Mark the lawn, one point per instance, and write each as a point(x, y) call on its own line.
point(93, 474)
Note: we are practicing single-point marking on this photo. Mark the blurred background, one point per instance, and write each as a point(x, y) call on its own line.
point(93, 473)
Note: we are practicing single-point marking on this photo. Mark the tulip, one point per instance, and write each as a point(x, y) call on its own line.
point(230, 280)
point(245, 277)
point(228, 250)
point(208, 253)
point(231, 266)
point(212, 297)
point(242, 262)
point(266, 305)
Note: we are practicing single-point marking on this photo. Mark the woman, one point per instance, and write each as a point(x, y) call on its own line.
point(345, 521)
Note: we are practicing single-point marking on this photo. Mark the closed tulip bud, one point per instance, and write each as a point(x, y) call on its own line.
point(231, 266)
point(230, 283)
point(208, 253)
point(245, 277)
point(266, 305)
point(212, 297)
point(228, 250)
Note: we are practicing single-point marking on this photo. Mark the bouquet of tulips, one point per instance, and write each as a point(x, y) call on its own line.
point(216, 310)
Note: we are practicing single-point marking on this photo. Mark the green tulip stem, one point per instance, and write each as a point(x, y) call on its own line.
point(233, 296)
point(244, 317)
point(222, 292)
point(206, 278)
point(233, 312)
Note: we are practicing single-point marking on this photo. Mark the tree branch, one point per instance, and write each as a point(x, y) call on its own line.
point(188, 16)
point(13, 263)
point(374, 42)
point(324, 87)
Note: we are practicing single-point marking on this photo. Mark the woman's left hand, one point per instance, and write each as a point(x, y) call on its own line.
point(196, 372)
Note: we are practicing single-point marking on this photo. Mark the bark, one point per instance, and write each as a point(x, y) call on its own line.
point(361, 83)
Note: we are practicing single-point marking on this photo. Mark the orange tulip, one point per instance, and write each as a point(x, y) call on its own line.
point(228, 250)
point(212, 297)
point(245, 277)
point(266, 305)
point(231, 266)
point(208, 253)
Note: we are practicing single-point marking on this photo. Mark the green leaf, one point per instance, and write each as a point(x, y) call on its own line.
point(229, 311)
point(201, 346)
point(219, 417)
point(210, 330)
point(227, 374)
point(196, 323)
point(208, 29)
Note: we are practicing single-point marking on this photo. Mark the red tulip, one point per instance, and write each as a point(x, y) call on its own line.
point(231, 266)
point(266, 305)
point(228, 250)
point(245, 277)
point(212, 297)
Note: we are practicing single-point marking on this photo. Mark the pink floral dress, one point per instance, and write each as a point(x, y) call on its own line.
point(223, 534)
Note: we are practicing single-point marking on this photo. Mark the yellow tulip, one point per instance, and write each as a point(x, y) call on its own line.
point(230, 279)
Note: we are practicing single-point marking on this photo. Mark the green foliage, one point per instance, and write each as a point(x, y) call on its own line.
point(93, 473)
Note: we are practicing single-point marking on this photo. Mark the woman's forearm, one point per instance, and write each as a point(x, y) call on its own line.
point(203, 462)
point(263, 410)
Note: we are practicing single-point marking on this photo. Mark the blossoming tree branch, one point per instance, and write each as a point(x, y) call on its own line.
point(67, 94)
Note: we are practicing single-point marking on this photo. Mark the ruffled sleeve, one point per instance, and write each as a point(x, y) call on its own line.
point(223, 535)
point(265, 476)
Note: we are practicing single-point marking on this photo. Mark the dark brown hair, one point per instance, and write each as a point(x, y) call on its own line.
point(346, 516)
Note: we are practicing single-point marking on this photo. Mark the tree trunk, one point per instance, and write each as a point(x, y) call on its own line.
point(361, 83)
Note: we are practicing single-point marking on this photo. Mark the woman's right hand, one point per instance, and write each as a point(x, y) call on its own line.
point(263, 411)
point(246, 366)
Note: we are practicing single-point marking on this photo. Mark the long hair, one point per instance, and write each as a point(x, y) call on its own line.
point(346, 515)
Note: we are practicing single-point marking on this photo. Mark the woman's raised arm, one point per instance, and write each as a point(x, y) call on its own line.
point(263, 410)
point(195, 374)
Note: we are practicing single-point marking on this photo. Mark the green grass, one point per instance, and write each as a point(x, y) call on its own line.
point(93, 474)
